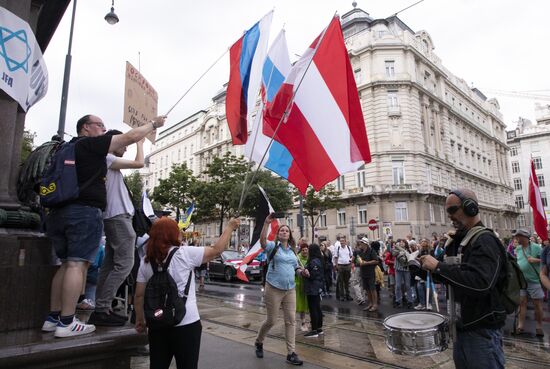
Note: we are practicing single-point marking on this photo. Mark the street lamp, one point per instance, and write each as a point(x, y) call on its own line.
point(111, 17)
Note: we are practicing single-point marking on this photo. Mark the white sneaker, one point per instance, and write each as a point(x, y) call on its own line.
point(76, 328)
point(49, 325)
point(304, 327)
point(429, 307)
point(419, 307)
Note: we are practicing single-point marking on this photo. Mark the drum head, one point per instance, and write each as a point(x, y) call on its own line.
point(414, 320)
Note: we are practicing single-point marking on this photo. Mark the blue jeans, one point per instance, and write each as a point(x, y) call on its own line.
point(479, 349)
point(75, 231)
point(402, 276)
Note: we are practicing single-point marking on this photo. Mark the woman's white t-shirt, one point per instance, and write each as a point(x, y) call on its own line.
point(183, 262)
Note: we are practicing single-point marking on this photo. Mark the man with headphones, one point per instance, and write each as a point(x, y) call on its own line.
point(475, 267)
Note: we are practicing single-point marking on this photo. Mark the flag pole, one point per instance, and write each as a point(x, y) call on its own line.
point(257, 123)
point(286, 112)
point(197, 81)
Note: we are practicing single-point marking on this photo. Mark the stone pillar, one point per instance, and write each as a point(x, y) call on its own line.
point(12, 123)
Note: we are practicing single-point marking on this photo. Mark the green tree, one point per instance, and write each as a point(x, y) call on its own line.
point(135, 185)
point(27, 144)
point(216, 195)
point(277, 190)
point(176, 191)
point(316, 203)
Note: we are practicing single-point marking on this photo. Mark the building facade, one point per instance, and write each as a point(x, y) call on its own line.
point(530, 141)
point(429, 132)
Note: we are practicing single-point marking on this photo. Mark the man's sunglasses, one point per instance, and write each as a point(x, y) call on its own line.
point(452, 209)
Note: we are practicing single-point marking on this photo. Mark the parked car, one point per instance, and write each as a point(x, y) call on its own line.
point(225, 266)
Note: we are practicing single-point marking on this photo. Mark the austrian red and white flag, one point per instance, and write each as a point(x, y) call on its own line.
point(535, 200)
point(323, 126)
point(263, 210)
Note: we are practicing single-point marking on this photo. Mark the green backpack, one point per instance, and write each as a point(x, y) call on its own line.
point(514, 282)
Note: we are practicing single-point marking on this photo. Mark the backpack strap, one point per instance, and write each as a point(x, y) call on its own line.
point(165, 264)
point(186, 291)
point(272, 254)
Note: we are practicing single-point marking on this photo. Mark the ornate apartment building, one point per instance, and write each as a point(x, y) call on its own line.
point(429, 132)
point(528, 141)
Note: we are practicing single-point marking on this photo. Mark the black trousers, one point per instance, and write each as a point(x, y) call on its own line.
point(315, 313)
point(182, 342)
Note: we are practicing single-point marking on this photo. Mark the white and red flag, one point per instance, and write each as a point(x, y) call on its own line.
point(535, 200)
point(263, 210)
point(323, 126)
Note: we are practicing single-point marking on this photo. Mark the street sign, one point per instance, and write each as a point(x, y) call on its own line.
point(373, 224)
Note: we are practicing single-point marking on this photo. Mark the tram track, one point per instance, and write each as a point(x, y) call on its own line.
point(354, 318)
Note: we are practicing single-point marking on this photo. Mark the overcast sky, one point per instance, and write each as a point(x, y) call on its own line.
point(494, 44)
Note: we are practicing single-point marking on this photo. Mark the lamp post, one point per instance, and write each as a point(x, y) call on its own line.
point(66, 77)
point(111, 18)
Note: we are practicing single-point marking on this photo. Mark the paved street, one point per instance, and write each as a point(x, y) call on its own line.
point(233, 312)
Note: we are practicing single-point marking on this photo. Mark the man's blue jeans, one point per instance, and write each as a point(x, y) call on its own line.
point(402, 277)
point(479, 349)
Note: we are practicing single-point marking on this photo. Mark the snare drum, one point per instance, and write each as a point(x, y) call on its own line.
point(416, 333)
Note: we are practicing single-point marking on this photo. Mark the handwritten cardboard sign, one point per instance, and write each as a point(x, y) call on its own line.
point(140, 100)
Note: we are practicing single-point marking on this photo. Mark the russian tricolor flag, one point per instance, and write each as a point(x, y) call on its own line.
point(247, 57)
point(323, 127)
point(278, 159)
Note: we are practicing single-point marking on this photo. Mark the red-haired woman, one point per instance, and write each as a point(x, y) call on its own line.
point(182, 340)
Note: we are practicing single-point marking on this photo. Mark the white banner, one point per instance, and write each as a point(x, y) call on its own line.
point(23, 73)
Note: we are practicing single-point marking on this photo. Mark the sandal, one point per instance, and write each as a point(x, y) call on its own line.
point(373, 309)
point(540, 333)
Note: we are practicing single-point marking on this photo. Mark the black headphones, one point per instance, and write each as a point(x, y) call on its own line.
point(469, 206)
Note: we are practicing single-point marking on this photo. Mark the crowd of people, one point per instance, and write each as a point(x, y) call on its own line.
point(298, 275)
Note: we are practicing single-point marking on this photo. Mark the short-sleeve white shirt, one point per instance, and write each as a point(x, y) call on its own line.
point(118, 198)
point(183, 262)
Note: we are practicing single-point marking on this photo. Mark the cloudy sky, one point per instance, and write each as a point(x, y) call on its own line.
point(492, 44)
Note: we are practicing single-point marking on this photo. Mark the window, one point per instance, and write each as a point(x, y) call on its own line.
point(341, 215)
point(363, 214)
point(390, 68)
point(515, 167)
point(323, 219)
point(519, 201)
point(538, 163)
point(401, 212)
point(521, 220)
point(397, 172)
point(432, 213)
point(513, 151)
point(358, 76)
point(341, 183)
point(290, 223)
point(443, 215)
point(543, 198)
point(540, 179)
point(393, 102)
point(208, 230)
point(361, 178)
point(429, 174)
point(517, 184)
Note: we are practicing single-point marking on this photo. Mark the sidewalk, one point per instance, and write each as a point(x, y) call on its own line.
point(217, 352)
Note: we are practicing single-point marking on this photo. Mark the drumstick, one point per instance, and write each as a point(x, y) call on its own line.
point(435, 297)
point(428, 279)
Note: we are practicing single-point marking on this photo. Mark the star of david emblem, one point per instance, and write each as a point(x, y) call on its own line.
point(10, 49)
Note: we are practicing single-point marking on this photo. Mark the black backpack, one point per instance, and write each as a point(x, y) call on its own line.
point(163, 306)
point(59, 184)
point(514, 282)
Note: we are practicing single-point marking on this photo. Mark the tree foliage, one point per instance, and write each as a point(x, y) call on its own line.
point(176, 191)
point(316, 203)
point(135, 185)
point(27, 144)
point(276, 189)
